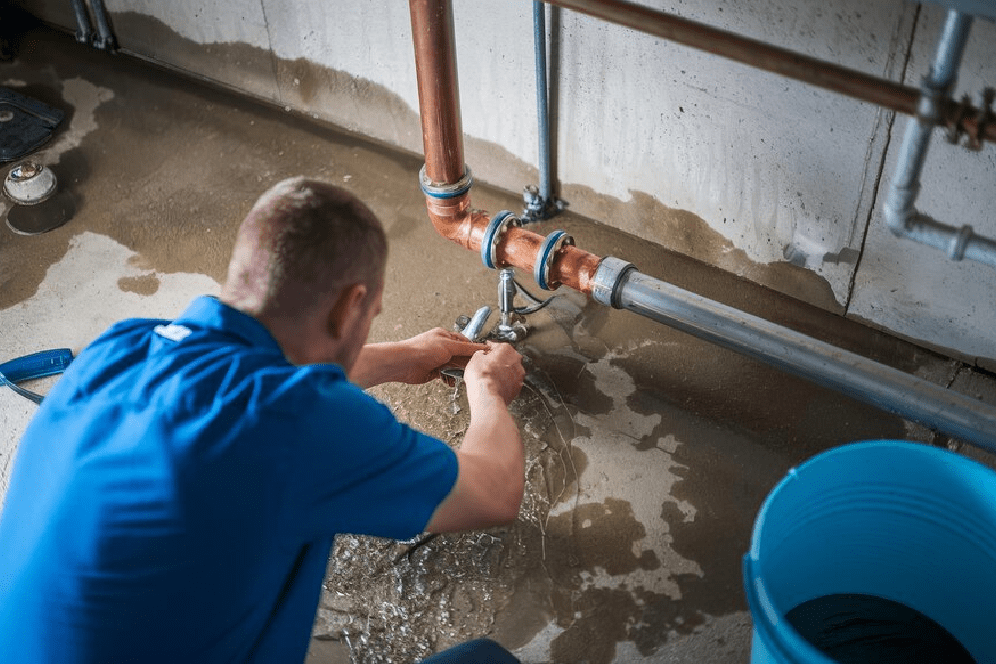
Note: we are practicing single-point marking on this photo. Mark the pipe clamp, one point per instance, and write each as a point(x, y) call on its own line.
point(608, 278)
point(544, 257)
point(492, 235)
point(458, 188)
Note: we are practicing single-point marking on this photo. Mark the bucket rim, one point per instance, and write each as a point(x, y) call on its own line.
point(845, 450)
point(777, 635)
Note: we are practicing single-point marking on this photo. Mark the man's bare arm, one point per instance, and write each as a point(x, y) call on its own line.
point(490, 479)
point(415, 360)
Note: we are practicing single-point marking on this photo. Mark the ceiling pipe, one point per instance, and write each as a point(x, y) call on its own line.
point(958, 116)
point(446, 180)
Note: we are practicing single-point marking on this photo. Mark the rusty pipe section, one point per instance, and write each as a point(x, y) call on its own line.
point(959, 117)
point(446, 180)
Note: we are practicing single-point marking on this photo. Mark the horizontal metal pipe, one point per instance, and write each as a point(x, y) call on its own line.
point(856, 376)
point(761, 55)
point(957, 243)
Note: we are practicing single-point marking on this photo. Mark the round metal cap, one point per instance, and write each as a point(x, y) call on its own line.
point(28, 183)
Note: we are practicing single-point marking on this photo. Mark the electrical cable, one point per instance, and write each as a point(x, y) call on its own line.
point(537, 303)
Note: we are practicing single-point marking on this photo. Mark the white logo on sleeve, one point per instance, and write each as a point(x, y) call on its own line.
point(173, 332)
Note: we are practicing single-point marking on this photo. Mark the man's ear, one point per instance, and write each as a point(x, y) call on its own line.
point(348, 306)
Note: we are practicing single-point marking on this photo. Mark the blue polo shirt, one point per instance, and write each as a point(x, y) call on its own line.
point(175, 497)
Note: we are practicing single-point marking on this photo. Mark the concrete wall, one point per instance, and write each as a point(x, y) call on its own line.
point(768, 178)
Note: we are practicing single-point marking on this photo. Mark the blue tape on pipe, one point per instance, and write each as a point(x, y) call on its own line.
point(446, 191)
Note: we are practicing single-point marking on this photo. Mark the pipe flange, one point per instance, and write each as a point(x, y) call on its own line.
point(959, 241)
point(608, 278)
point(29, 183)
point(544, 257)
point(492, 236)
point(458, 188)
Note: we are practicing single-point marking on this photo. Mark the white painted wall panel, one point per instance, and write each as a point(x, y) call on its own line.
point(775, 166)
point(370, 40)
point(204, 21)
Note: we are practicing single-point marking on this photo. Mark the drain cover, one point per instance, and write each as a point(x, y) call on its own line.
point(25, 124)
point(43, 217)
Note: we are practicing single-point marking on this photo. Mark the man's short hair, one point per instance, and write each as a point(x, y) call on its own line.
point(304, 239)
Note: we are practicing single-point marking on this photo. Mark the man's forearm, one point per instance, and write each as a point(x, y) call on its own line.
point(379, 363)
point(494, 437)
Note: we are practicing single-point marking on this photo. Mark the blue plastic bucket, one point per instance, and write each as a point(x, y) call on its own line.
point(907, 522)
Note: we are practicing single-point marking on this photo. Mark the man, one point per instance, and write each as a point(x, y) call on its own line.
point(175, 497)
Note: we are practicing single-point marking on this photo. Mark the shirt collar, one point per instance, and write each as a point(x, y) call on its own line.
point(210, 312)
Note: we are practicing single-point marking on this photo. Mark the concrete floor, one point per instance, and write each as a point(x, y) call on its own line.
point(649, 451)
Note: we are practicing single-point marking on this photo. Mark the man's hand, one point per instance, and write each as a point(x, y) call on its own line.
point(498, 370)
point(434, 350)
point(415, 360)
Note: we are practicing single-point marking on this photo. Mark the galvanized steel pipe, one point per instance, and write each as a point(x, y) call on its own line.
point(899, 212)
point(856, 376)
point(542, 104)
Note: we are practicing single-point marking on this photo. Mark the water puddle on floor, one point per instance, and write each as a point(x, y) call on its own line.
point(590, 562)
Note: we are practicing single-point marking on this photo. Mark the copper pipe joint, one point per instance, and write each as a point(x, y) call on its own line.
point(442, 136)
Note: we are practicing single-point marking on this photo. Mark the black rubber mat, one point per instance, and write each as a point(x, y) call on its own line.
point(25, 124)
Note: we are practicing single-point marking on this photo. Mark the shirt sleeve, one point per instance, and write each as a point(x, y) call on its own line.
point(357, 469)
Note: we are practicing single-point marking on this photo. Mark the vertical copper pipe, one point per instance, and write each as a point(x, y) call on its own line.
point(442, 136)
point(438, 95)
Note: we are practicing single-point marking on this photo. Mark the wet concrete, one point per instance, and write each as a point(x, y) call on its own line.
point(648, 451)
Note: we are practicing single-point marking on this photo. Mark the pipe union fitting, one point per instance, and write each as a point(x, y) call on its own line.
point(608, 279)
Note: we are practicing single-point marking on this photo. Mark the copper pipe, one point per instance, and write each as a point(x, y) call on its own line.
point(438, 94)
point(850, 82)
point(442, 136)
